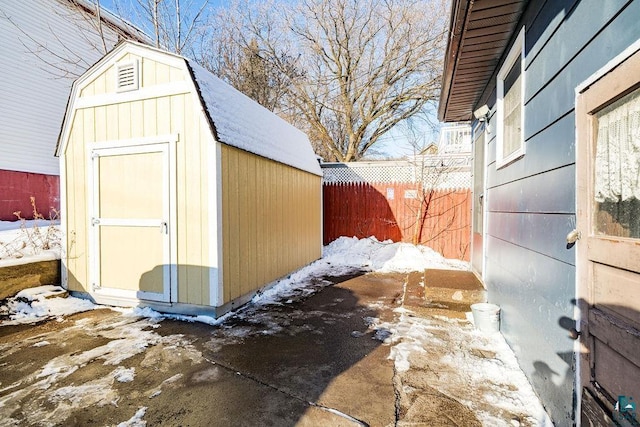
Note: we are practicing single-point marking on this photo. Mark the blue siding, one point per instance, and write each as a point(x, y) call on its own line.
point(558, 96)
point(525, 229)
point(530, 272)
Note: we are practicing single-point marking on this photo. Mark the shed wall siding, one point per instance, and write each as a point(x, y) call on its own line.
point(164, 115)
point(530, 272)
point(271, 218)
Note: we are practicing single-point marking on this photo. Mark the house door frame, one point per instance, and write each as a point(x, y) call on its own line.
point(167, 224)
point(597, 252)
point(479, 200)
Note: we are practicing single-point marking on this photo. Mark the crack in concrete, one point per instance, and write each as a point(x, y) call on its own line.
point(397, 384)
point(287, 393)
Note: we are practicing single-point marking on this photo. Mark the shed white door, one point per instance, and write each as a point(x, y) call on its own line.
point(608, 163)
point(130, 222)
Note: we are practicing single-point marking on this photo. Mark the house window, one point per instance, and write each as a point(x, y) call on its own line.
point(510, 108)
point(617, 168)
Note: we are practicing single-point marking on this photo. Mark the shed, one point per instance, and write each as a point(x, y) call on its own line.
point(178, 192)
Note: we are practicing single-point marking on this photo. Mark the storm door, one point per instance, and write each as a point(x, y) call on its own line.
point(608, 255)
point(130, 222)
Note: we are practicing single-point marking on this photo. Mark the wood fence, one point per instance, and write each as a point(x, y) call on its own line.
point(394, 211)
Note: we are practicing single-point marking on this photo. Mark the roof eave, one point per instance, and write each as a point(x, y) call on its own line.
point(459, 12)
point(479, 34)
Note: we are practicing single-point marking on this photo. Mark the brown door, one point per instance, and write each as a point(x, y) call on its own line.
point(608, 252)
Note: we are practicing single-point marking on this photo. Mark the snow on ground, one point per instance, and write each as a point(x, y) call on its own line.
point(475, 368)
point(28, 307)
point(29, 241)
point(345, 254)
point(136, 420)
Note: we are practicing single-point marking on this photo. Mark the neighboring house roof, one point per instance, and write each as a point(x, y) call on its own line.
point(123, 27)
point(479, 32)
point(432, 148)
point(235, 119)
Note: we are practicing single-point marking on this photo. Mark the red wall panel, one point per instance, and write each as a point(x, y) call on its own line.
point(16, 189)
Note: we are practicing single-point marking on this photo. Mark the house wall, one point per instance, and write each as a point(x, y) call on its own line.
point(102, 116)
point(271, 220)
point(35, 88)
point(16, 189)
point(530, 272)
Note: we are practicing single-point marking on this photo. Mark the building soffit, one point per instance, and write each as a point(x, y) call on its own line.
point(479, 33)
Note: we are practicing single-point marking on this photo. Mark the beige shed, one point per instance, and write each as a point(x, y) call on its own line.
point(179, 192)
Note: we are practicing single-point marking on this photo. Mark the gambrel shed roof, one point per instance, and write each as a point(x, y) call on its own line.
point(235, 119)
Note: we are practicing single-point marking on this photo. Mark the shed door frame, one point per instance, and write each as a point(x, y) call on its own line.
point(165, 144)
point(614, 257)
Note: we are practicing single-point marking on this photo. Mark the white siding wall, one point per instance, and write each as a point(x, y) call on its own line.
point(34, 94)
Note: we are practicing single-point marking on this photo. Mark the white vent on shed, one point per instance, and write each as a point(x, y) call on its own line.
point(127, 76)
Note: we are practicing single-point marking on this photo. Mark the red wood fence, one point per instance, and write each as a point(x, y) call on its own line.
point(401, 212)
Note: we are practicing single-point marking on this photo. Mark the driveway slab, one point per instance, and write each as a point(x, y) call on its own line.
point(310, 360)
point(359, 349)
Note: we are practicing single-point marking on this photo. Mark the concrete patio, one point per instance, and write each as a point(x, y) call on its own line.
point(321, 357)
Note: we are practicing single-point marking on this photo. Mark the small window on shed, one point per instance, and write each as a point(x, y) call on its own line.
point(127, 76)
point(510, 106)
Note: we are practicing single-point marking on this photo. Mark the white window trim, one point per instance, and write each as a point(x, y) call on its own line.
point(516, 53)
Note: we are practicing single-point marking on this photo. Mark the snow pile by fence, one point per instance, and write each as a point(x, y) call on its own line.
point(387, 257)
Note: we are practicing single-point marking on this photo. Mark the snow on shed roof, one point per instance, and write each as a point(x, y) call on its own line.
point(243, 123)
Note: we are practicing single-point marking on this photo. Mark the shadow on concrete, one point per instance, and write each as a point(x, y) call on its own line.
point(306, 360)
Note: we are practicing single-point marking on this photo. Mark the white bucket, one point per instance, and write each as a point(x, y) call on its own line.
point(486, 316)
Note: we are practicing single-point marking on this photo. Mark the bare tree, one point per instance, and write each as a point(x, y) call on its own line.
point(354, 68)
point(369, 66)
point(175, 24)
point(438, 201)
point(231, 50)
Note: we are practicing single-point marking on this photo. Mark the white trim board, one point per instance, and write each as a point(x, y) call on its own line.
point(608, 67)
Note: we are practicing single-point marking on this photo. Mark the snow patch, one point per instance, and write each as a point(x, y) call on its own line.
point(464, 360)
point(124, 375)
point(28, 308)
point(24, 242)
point(136, 420)
point(386, 257)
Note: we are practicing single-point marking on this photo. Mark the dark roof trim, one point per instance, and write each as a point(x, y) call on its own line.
point(119, 25)
point(458, 20)
point(479, 33)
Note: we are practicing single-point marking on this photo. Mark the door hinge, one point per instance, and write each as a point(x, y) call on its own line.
point(95, 221)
